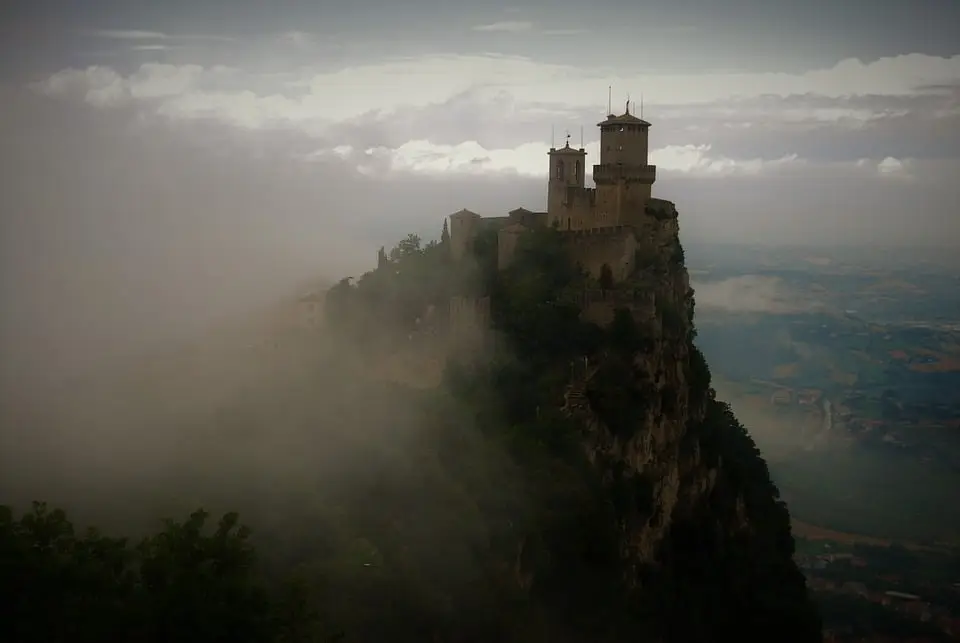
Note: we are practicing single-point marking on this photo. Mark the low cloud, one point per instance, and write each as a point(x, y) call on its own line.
point(155, 47)
point(438, 78)
point(125, 34)
point(896, 168)
point(142, 34)
point(697, 159)
point(530, 160)
point(506, 26)
point(752, 157)
point(563, 32)
point(754, 294)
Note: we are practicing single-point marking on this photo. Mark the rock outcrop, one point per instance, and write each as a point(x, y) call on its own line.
point(698, 487)
point(613, 497)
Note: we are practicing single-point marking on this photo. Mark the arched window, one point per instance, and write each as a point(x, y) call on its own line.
point(578, 170)
point(559, 169)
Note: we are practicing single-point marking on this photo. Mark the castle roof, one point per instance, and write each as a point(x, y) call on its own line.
point(465, 213)
point(566, 149)
point(623, 119)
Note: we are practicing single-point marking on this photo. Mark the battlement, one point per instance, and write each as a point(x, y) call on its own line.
point(614, 247)
point(613, 172)
point(627, 297)
point(605, 223)
point(600, 231)
point(600, 306)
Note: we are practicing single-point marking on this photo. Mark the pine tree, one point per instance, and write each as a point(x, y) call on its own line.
point(445, 234)
point(381, 258)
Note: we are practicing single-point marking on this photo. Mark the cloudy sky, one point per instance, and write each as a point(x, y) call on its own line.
point(182, 155)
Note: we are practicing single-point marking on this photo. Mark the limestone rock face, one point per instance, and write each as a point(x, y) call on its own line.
point(659, 450)
point(652, 449)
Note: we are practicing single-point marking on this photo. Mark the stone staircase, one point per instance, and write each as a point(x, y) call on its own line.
point(575, 395)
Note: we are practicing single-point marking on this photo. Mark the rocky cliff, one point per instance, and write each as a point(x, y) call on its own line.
point(632, 505)
point(702, 522)
point(702, 535)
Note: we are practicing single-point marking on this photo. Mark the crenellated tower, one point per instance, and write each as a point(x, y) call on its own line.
point(603, 224)
point(624, 178)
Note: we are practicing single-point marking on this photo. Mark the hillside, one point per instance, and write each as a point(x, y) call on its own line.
point(572, 478)
point(614, 401)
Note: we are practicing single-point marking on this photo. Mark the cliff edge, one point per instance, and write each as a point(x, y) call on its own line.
point(640, 507)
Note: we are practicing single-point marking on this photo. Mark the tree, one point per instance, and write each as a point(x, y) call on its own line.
point(408, 246)
point(381, 258)
point(179, 584)
point(445, 233)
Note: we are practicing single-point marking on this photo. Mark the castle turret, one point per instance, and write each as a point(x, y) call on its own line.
point(463, 230)
point(568, 169)
point(623, 177)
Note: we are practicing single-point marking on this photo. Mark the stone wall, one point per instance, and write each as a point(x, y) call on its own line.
point(599, 306)
point(575, 211)
point(463, 228)
point(614, 246)
point(507, 240)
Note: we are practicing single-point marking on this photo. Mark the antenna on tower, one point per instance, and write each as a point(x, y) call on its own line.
point(581, 137)
point(641, 104)
point(609, 99)
point(568, 138)
point(553, 136)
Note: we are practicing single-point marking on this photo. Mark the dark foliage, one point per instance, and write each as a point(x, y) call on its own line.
point(180, 584)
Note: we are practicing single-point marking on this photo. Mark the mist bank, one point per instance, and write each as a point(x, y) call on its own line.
point(232, 419)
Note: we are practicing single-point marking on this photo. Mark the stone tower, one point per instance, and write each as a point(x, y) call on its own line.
point(567, 169)
point(624, 179)
point(463, 229)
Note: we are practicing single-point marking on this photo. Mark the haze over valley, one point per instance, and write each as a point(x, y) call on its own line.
point(183, 185)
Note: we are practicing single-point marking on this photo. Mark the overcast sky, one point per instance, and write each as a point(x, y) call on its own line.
point(169, 162)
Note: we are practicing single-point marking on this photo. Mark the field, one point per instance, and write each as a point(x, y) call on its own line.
point(850, 392)
point(872, 493)
point(812, 532)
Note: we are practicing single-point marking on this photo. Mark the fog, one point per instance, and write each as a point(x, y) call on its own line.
point(154, 357)
point(754, 294)
point(146, 263)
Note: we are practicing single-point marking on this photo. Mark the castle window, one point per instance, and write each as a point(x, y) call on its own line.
point(559, 169)
point(621, 129)
point(577, 168)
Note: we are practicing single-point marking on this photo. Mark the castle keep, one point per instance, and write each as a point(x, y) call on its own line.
point(604, 225)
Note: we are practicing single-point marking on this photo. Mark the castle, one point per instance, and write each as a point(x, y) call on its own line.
point(605, 225)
